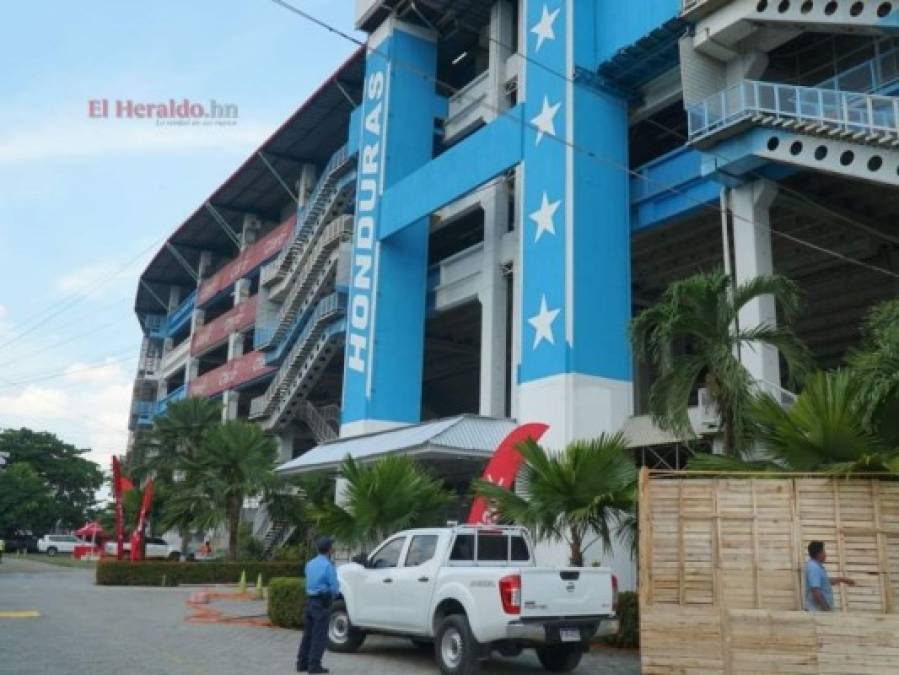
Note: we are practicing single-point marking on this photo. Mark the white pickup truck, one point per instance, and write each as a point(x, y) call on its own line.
point(470, 590)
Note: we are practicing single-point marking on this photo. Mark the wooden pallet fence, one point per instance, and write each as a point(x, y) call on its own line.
point(721, 574)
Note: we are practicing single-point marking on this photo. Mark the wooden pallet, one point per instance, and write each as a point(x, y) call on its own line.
point(721, 575)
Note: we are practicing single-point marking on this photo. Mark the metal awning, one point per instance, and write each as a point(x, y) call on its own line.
point(311, 135)
point(645, 59)
point(465, 439)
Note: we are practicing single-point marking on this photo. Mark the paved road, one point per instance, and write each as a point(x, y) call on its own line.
point(93, 630)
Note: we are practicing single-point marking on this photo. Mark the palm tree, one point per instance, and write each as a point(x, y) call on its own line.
point(234, 461)
point(174, 440)
point(586, 490)
point(701, 313)
point(393, 493)
point(178, 434)
point(821, 431)
point(876, 360)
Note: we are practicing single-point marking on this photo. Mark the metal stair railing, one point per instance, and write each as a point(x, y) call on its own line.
point(328, 308)
point(341, 196)
point(334, 169)
point(317, 259)
point(330, 339)
point(859, 117)
point(317, 422)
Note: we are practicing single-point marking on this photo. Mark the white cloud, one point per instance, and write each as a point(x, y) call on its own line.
point(88, 409)
point(85, 279)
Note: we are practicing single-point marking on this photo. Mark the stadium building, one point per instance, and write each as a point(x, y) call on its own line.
point(454, 231)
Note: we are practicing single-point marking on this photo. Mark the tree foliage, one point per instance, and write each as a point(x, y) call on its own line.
point(876, 363)
point(823, 430)
point(393, 493)
point(46, 482)
point(585, 491)
point(692, 337)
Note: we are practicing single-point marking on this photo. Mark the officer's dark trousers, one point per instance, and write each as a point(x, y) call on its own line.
point(315, 633)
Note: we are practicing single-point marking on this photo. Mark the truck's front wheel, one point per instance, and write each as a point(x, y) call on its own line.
point(343, 636)
point(455, 647)
point(560, 658)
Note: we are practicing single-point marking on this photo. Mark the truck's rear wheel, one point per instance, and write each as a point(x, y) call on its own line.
point(343, 636)
point(560, 658)
point(455, 647)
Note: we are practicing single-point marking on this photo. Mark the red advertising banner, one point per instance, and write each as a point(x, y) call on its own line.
point(232, 374)
point(217, 331)
point(137, 536)
point(503, 467)
point(251, 258)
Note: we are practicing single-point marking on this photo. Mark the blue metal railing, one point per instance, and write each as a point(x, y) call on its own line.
point(176, 395)
point(837, 111)
point(181, 314)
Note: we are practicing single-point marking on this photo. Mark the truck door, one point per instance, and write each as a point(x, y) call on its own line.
point(377, 606)
point(415, 582)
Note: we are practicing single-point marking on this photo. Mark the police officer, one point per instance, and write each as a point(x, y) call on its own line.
point(321, 587)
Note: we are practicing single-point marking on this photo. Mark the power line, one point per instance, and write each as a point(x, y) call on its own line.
point(64, 373)
point(587, 152)
point(66, 304)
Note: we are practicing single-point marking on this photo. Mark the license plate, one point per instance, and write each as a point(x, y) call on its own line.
point(570, 635)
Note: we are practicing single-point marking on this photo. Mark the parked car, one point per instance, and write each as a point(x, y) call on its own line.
point(51, 544)
point(19, 540)
point(471, 590)
point(156, 548)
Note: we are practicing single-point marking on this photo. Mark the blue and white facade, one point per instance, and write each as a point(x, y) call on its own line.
point(491, 190)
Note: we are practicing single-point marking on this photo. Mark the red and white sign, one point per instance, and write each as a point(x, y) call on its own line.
point(251, 258)
point(217, 331)
point(231, 374)
point(503, 467)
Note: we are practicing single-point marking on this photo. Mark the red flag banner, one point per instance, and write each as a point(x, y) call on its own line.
point(503, 467)
point(137, 536)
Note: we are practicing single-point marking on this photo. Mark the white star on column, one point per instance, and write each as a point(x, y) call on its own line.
point(544, 217)
point(544, 28)
point(543, 324)
point(545, 120)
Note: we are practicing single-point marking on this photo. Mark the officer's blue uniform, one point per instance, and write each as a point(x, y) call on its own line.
point(321, 588)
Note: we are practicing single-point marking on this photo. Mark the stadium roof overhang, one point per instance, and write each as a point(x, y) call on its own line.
point(311, 135)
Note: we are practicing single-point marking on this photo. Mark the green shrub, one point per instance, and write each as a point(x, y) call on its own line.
point(286, 601)
point(126, 573)
point(629, 614)
point(248, 546)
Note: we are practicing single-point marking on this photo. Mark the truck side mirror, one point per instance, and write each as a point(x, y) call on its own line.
point(361, 559)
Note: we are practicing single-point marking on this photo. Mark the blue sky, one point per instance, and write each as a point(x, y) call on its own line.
point(80, 198)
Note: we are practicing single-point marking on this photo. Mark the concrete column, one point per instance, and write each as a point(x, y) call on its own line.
point(204, 266)
point(249, 231)
point(502, 27)
point(750, 205)
point(492, 297)
point(174, 298)
point(241, 290)
point(306, 183)
point(285, 444)
point(576, 365)
point(230, 400)
point(386, 315)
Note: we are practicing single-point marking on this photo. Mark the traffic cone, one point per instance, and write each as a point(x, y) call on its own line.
point(258, 589)
point(242, 584)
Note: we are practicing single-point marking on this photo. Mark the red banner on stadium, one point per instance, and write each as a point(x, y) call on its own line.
point(217, 331)
point(267, 247)
point(232, 374)
point(503, 467)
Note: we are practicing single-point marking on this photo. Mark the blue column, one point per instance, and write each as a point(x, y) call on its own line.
point(385, 327)
point(575, 367)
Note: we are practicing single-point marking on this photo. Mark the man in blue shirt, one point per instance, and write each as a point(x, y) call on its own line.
point(818, 589)
point(321, 588)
